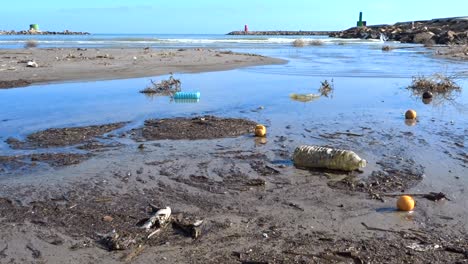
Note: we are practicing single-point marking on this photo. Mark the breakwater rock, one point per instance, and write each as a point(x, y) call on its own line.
point(436, 31)
point(283, 33)
point(37, 32)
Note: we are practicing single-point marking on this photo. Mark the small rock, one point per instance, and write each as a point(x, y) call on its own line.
point(141, 146)
point(265, 235)
point(107, 218)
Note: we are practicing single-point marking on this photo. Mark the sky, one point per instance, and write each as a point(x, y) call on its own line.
point(215, 16)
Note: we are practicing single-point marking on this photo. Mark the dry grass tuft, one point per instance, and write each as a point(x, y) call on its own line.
point(164, 87)
point(298, 43)
point(326, 88)
point(316, 42)
point(438, 84)
point(31, 44)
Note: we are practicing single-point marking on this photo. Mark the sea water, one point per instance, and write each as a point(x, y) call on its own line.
point(369, 92)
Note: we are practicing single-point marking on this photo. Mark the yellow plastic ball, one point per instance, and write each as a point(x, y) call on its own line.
point(405, 203)
point(410, 114)
point(260, 131)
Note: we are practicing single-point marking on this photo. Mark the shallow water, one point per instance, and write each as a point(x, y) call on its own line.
point(369, 93)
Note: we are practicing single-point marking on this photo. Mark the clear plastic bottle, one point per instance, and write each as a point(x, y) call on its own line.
point(324, 157)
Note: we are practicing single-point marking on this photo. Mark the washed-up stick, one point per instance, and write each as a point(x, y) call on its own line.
point(133, 254)
point(433, 196)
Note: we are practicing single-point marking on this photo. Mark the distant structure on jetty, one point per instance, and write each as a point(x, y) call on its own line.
point(282, 33)
point(34, 30)
point(361, 23)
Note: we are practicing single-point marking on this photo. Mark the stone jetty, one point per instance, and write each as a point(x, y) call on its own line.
point(436, 31)
point(37, 32)
point(283, 33)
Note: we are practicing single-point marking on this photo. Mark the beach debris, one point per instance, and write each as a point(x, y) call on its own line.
point(187, 95)
point(256, 182)
point(324, 157)
point(164, 87)
point(303, 97)
point(405, 203)
point(432, 196)
point(260, 131)
point(422, 247)
point(159, 219)
point(113, 241)
point(437, 85)
point(32, 64)
point(189, 225)
point(410, 114)
point(326, 88)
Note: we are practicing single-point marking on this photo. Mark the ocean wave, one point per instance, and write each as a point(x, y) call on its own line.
point(149, 41)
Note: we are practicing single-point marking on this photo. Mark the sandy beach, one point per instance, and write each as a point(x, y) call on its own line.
point(58, 65)
point(86, 159)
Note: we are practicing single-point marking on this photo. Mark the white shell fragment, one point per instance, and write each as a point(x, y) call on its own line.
point(32, 64)
point(160, 218)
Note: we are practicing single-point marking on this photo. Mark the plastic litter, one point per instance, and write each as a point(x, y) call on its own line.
point(187, 95)
point(304, 97)
point(323, 157)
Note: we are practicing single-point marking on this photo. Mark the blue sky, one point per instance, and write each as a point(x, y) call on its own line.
point(211, 16)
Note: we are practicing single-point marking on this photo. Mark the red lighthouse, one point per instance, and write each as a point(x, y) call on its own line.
point(246, 28)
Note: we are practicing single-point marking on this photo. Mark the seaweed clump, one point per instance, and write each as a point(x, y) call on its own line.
point(437, 84)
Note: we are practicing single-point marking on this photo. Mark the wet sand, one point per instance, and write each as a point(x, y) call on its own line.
point(58, 65)
point(255, 206)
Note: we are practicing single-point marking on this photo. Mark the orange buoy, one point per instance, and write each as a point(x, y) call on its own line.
point(405, 203)
point(410, 114)
point(260, 131)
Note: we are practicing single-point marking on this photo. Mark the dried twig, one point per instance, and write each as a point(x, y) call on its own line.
point(326, 88)
point(164, 87)
point(130, 256)
point(433, 196)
